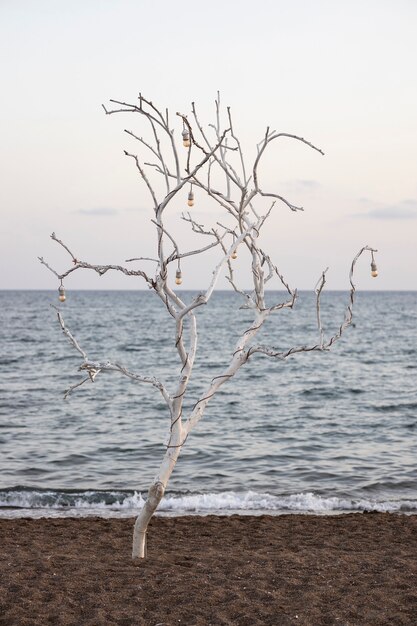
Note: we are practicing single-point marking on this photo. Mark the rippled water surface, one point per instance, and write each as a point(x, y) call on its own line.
point(320, 431)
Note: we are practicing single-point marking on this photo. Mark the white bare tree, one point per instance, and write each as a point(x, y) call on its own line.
point(212, 161)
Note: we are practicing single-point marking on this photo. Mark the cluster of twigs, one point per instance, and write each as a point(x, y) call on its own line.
point(209, 153)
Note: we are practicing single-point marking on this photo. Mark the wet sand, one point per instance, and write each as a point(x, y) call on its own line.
point(355, 570)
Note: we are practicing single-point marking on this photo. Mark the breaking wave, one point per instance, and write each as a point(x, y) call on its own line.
point(23, 502)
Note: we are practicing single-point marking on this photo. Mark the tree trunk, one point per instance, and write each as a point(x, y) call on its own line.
point(155, 496)
point(156, 491)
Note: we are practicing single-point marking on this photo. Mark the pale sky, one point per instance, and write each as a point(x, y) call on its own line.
point(339, 73)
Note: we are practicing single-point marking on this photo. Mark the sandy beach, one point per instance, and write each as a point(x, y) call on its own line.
point(358, 569)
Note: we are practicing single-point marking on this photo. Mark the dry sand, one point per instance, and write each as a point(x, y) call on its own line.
point(358, 569)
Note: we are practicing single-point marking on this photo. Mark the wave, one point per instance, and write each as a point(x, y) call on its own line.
point(23, 502)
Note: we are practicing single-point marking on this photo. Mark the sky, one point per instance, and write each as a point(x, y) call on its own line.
point(339, 73)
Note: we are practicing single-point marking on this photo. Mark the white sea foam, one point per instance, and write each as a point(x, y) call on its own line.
point(255, 502)
point(19, 503)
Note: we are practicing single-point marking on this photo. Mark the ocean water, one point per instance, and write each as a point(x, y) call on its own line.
point(320, 432)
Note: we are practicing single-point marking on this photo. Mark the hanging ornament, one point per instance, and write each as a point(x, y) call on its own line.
point(178, 277)
point(190, 200)
point(374, 269)
point(233, 255)
point(186, 138)
point(61, 293)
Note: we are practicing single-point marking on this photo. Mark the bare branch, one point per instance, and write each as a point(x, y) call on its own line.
point(68, 334)
point(229, 173)
point(199, 228)
point(323, 345)
point(203, 298)
point(163, 230)
point(154, 116)
point(100, 269)
point(218, 196)
point(145, 178)
point(297, 138)
point(161, 158)
point(94, 368)
point(318, 289)
point(133, 108)
point(293, 207)
point(192, 174)
point(69, 391)
point(103, 269)
point(142, 258)
point(199, 251)
point(242, 161)
point(239, 358)
point(61, 243)
point(269, 137)
point(42, 260)
point(145, 143)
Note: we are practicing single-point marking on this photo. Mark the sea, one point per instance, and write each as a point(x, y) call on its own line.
point(319, 432)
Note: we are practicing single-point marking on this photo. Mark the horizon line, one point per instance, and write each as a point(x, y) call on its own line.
point(216, 291)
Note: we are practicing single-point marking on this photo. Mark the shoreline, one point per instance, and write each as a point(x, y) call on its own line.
point(13, 513)
point(237, 570)
point(52, 502)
